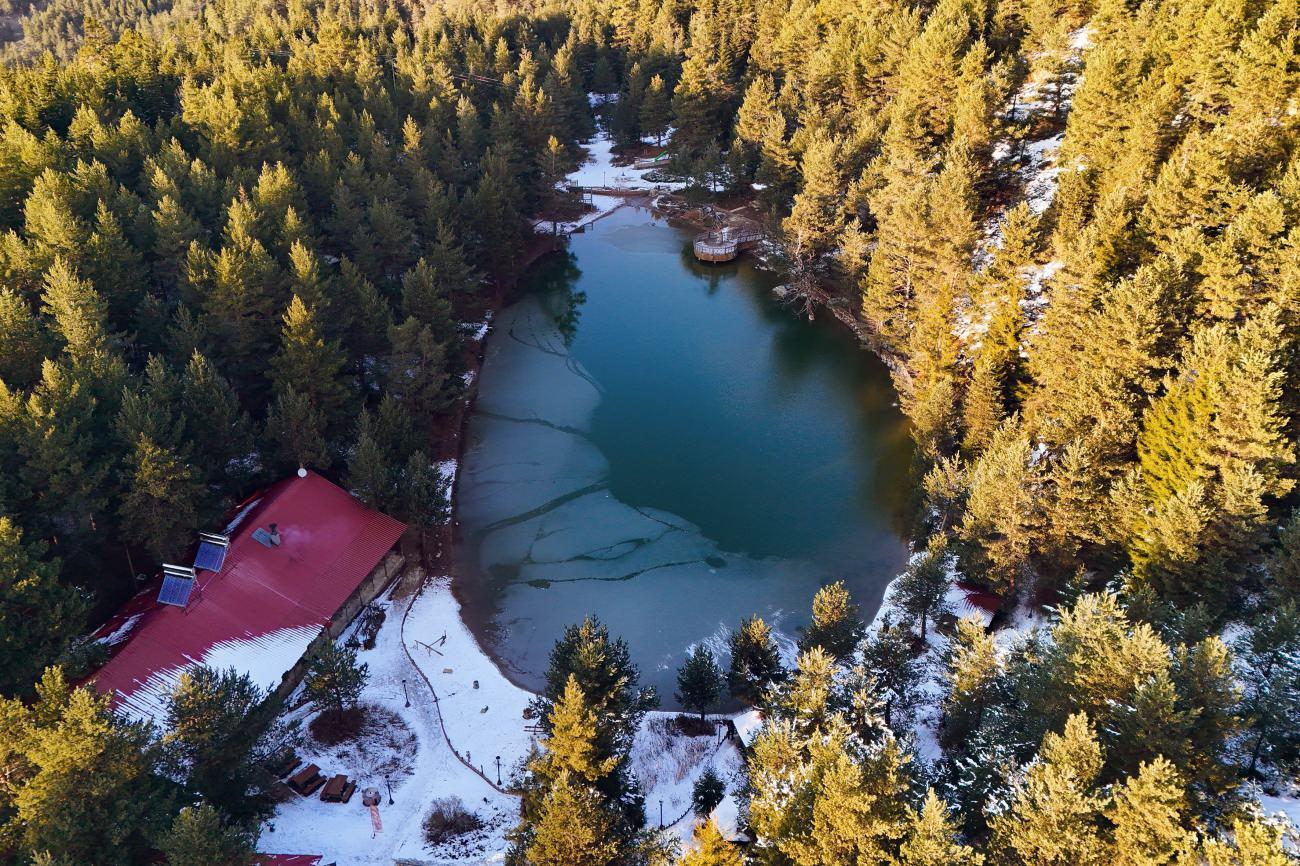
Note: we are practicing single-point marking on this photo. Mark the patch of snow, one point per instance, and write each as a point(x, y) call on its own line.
point(121, 633)
point(747, 725)
point(475, 332)
point(482, 712)
point(447, 469)
point(603, 206)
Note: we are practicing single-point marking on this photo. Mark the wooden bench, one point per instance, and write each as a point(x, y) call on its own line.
point(307, 780)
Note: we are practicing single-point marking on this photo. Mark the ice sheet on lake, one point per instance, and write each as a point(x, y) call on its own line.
point(540, 524)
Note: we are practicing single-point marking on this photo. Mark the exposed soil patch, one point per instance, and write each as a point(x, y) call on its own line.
point(331, 727)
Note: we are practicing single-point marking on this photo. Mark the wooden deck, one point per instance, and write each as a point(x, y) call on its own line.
point(725, 245)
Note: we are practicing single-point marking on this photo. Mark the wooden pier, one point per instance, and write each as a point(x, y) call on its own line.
point(726, 244)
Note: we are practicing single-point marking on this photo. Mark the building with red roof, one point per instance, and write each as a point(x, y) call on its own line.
point(294, 562)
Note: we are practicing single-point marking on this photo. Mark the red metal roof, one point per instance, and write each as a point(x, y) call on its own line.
point(263, 609)
point(288, 859)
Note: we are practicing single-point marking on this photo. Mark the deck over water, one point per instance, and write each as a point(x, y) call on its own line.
point(725, 245)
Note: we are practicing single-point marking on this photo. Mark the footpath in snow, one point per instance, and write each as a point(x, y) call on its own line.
point(406, 746)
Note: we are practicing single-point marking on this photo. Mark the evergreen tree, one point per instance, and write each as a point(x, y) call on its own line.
point(159, 509)
point(755, 662)
point(84, 789)
point(198, 838)
point(1052, 819)
point(707, 793)
point(309, 364)
point(921, 590)
point(296, 427)
point(656, 109)
point(39, 615)
point(836, 626)
point(574, 828)
point(1270, 676)
point(335, 680)
point(214, 730)
point(700, 682)
point(932, 838)
point(711, 849)
point(1146, 812)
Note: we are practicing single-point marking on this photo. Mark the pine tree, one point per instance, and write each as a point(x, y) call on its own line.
point(932, 838)
point(656, 109)
point(370, 473)
point(1053, 817)
point(893, 672)
point(755, 662)
point(79, 312)
point(1146, 812)
point(198, 838)
point(972, 674)
point(1001, 516)
point(24, 346)
point(570, 747)
point(213, 727)
point(425, 298)
point(85, 790)
point(700, 682)
point(711, 849)
point(417, 371)
point(573, 828)
point(309, 364)
point(1270, 677)
point(921, 591)
point(817, 216)
point(1252, 842)
point(335, 680)
point(836, 626)
point(39, 614)
point(296, 427)
point(160, 507)
point(707, 792)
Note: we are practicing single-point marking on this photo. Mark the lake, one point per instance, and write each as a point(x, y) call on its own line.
point(660, 443)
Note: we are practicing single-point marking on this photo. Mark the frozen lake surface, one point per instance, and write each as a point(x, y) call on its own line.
point(659, 443)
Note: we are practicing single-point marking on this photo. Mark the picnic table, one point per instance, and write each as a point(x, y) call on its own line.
point(338, 789)
point(307, 780)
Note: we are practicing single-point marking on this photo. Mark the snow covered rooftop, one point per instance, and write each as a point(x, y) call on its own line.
point(265, 606)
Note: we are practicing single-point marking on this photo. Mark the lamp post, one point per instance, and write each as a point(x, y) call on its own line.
point(661, 814)
point(498, 769)
point(390, 790)
point(407, 694)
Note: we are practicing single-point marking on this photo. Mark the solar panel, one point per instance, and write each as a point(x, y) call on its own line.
point(178, 582)
point(176, 590)
point(211, 553)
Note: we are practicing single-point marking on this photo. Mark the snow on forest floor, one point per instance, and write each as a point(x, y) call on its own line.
point(427, 750)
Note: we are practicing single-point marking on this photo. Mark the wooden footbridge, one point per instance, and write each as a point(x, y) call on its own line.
point(725, 244)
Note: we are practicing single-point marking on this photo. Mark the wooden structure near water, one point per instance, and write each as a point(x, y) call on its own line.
point(724, 245)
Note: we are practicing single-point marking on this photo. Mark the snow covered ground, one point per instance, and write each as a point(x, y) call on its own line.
point(407, 746)
point(445, 744)
point(598, 170)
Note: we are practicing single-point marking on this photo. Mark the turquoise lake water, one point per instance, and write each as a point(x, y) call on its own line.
point(660, 443)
